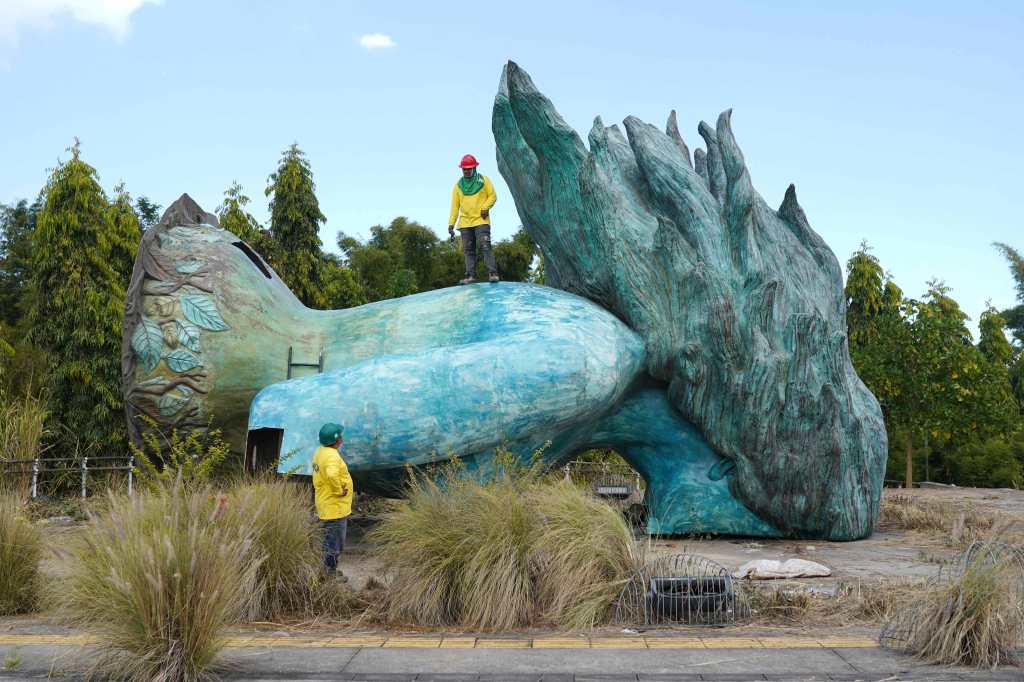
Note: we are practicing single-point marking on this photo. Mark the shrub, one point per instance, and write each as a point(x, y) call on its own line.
point(994, 463)
point(975, 619)
point(507, 552)
point(156, 580)
point(958, 526)
point(289, 582)
point(20, 550)
point(190, 461)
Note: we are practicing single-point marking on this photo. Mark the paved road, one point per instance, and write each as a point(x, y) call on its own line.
point(380, 664)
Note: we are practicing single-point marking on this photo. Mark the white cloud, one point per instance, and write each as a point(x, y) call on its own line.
point(113, 15)
point(376, 41)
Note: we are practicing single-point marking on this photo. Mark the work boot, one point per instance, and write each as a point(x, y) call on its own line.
point(493, 279)
point(467, 280)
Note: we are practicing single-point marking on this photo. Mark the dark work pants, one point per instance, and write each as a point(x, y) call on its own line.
point(471, 236)
point(334, 541)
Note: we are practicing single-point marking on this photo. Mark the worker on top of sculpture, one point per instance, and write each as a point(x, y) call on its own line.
point(472, 199)
point(334, 491)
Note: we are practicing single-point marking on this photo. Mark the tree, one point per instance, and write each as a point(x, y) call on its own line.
point(148, 212)
point(992, 342)
point(17, 223)
point(295, 220)
point(341, 289)
point(514, 257)
point(78, 303)
point(235, 219)
point(127, 232)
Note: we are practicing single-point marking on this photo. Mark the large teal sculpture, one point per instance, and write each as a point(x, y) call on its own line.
point(693, 329)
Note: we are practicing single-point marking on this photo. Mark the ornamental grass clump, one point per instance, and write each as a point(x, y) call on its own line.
point(511, 551)
point(290, 582)
point(977, 618)
point(21, 548)
point(156, 580)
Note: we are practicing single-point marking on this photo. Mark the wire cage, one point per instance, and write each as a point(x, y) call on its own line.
point(616, 483)
point(680, 589)
point(900, 632)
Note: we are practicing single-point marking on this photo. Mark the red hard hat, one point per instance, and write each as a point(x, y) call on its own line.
point(468, 161)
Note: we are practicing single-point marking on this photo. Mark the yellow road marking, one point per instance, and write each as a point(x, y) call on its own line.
point(458, 642)
point(674, 643)
point(561, 643)
point(413, 642)
point(730, 643)
point(789, 643)
point(502, 644)
point(356, 641)
point(618, 643)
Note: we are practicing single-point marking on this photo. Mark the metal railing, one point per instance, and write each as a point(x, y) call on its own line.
point(47, 465)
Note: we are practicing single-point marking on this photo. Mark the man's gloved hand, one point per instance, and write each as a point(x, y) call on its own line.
point(451, 232)
point(485, 213)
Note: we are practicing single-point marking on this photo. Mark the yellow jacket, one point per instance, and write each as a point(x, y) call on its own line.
point(332, 483)
point(467, 209)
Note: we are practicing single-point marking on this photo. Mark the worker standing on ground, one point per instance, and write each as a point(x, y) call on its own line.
point(333, 486)
point(472, 199)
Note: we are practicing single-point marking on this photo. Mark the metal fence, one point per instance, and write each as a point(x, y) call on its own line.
point(39, 467)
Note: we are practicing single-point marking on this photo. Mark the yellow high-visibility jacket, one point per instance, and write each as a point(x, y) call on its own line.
point(467, 209)
point(332, 483)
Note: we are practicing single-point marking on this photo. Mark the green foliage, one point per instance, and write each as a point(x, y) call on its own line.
point(17, 224)
point(235, 219)
point(77, 303)
point(147, 211)
point(993, 463)
point(992, 342)
point(22, 433)
point(126, 234)
point(191, 461)
point(341, 289)
point(513, 550)
point(21, 548)
point(157, 580)
point(1014, 316)
point(295, 220)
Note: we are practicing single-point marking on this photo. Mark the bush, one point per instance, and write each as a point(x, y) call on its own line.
point(994, 463)
point(976, 619)
point(20, 550)
point(290, 581)
point(190, 461)
point(156, 580)
point(508, 552)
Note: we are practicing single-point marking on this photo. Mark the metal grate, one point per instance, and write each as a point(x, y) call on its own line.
point(680, 589)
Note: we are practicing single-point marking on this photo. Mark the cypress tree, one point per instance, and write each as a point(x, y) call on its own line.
point(77, 303)
point(126, 232)
point(295, 220)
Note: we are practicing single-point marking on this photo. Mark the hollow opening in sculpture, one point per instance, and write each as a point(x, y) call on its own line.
point(608, 474)
point(254, 257)
point(263, 449)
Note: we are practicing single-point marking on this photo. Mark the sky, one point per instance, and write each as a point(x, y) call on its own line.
point(901, 123)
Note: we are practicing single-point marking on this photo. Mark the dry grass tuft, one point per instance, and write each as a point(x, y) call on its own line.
point(868, 602)
point(156, 580)
point(516, 550)
point(21, 548)
point(960, 526)
point(976, 619)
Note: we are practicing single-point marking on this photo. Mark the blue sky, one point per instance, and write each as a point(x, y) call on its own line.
point(900, 123)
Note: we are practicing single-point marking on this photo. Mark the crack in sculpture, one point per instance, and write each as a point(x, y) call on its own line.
point(740, 306)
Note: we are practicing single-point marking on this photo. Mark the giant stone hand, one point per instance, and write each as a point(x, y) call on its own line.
point(740, 306)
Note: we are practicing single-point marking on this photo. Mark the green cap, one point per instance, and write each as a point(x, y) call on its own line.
point(330, 433)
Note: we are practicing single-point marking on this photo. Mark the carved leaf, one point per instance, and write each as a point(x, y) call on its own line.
point(188, 335)
point(170, 404)
point(202, 311)
point(148, 342)
point(182, 360)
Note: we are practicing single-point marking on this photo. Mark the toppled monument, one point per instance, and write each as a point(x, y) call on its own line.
point(689, 326)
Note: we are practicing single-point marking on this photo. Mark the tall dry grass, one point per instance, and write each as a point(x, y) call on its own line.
point(156, 580)
point(975, 619)
point(959, 526)
point(22, 429)
point(290, 582)
point(512, 551)
point(21, 548)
